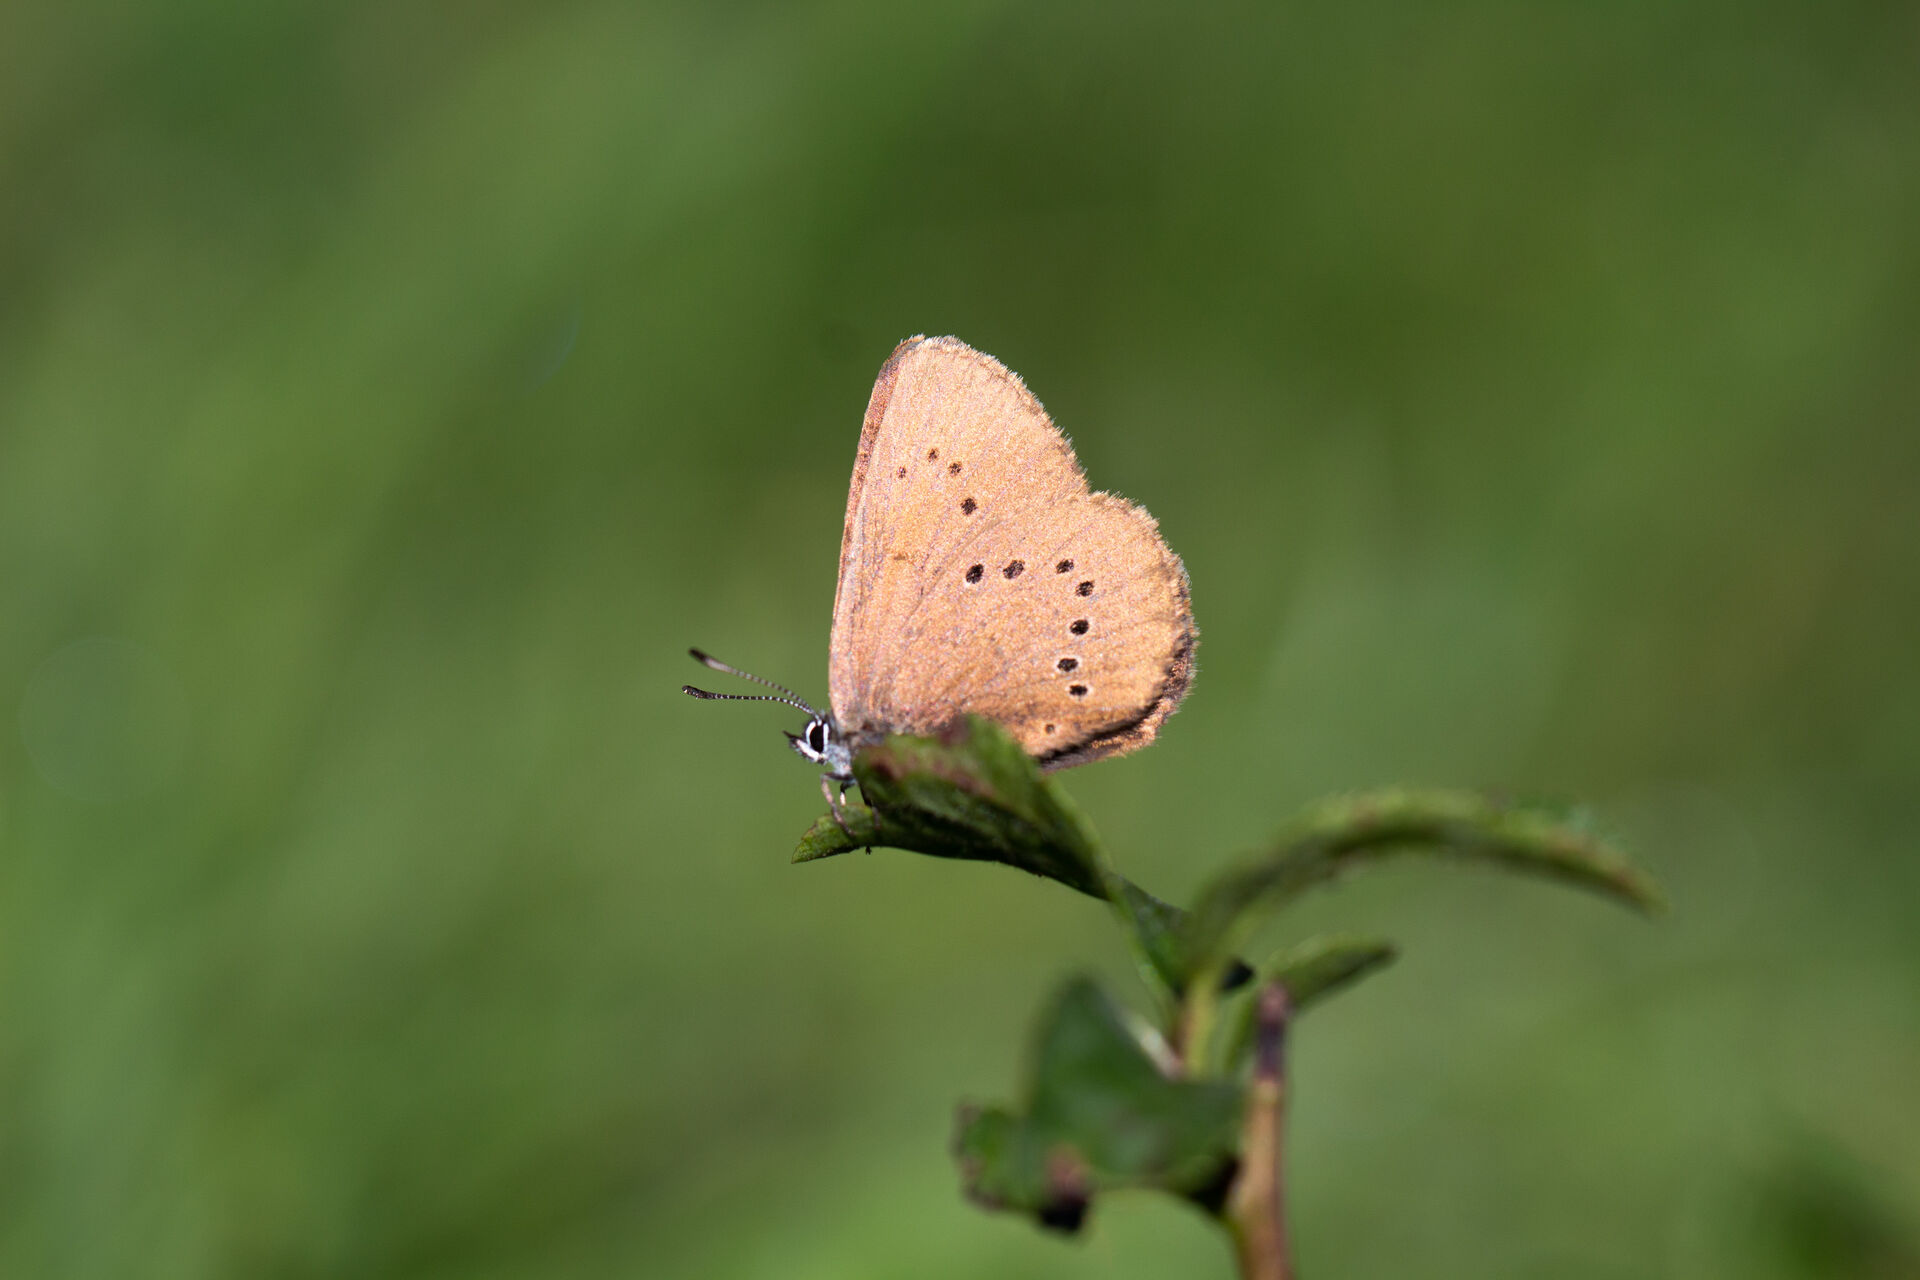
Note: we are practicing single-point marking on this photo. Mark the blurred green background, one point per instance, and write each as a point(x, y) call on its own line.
point(389, 394)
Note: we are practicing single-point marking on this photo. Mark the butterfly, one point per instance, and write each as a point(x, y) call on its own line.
point(979, 575)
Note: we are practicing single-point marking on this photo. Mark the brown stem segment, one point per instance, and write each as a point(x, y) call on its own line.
point(1256, 1206)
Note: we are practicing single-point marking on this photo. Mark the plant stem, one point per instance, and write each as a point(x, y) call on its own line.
point(1256, 1206)
point(1193, 1026)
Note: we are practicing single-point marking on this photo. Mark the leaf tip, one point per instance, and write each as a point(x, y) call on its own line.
point(857, 828)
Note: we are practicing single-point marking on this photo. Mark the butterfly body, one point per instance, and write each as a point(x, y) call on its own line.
point(980, 575)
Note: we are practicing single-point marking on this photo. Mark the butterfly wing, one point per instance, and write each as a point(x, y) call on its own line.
point(978, 574)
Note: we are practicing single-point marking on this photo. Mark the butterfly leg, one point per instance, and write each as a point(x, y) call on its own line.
point(837, 804)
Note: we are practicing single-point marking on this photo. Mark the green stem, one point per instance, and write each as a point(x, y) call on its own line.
point(1193, 1040)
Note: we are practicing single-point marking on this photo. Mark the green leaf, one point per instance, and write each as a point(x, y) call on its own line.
point(1159, 928)
point(1320, 966)
point(1311, 971)
point(1354, 831)
point(971, 793)
point(975, 794)
point(1099, 1115)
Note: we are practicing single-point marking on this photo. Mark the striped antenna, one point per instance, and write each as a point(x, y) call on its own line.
point(792, 699)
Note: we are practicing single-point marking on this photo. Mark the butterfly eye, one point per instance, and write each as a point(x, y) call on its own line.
point(817, 737)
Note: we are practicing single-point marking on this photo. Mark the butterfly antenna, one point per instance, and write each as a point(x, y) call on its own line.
point(692, 692)
point(706, 659)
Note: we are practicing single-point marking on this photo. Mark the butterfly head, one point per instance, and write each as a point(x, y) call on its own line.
point(820, 742)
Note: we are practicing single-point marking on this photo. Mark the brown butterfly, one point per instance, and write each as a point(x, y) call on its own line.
point(979, 575)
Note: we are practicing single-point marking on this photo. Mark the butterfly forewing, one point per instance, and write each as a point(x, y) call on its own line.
point(978, 574)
